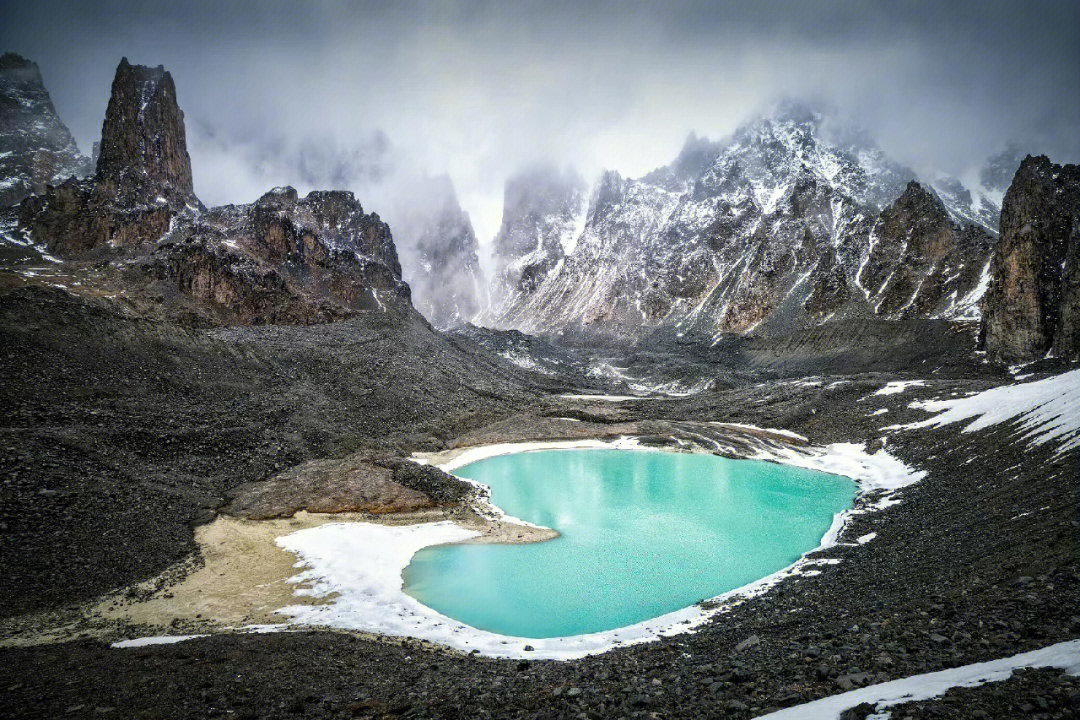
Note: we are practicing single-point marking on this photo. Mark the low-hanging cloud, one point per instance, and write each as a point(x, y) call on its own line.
point(351, 95)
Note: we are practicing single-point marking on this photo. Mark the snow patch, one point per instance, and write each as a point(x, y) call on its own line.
point(155, 640)
point(898, 386)
point(608, 398)
point(526, 362)
point(1047, 410)
point(1065, 656)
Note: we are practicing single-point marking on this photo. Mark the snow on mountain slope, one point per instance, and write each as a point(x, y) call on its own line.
point(543, 217)
point(791, 220)
point(36, 148)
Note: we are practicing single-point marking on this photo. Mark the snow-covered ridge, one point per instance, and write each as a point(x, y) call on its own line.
point(777, 221)
point(1064, 655)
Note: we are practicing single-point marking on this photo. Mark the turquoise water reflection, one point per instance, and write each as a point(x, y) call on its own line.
point(643, 534)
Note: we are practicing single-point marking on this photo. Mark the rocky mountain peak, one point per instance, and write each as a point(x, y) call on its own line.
point(143, 177)
point(765, 156)
point(36, 148)
point(923, 263)
point(13, 64)
point(143, 154)
point(1033, 304)
point(543, 212)
point(696, 155)
point(439, 253)
point(918, 202)
point(795, 218)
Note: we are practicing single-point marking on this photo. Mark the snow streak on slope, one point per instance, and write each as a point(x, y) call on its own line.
point(1065, 655)
point(1046, 410)
point(772, 225)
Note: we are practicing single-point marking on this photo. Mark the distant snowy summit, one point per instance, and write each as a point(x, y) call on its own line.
point(36, 148)
point(439, 253)
point(794, 219)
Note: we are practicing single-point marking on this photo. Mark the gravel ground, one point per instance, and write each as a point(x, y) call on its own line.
point(117, 435)
point(979, 561)
point(1032, 694)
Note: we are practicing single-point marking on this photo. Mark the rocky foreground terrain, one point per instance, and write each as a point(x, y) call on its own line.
point(166, 364)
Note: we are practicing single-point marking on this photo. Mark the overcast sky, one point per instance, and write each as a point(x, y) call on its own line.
point(344, 94)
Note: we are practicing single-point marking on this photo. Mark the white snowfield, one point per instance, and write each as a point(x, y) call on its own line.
point(1046, 410)
point(357, 567)
point(155, 640)
point(1065, 655)
point(898, 386)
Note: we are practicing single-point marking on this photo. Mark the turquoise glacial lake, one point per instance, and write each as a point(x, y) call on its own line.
point(642, 534)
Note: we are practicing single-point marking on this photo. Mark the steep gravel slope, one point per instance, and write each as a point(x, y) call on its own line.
point(120, 433)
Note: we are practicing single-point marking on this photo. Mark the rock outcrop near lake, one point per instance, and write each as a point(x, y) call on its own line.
point(1033, 305)
point(376, 485)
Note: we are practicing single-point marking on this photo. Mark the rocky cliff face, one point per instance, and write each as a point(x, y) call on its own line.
point(543, 211)
point(143, 177)
point(36, 148)
point(281, 259)
point(143, 158)
point(921, 263)
point(138, 223)
point(775, 226)
point(438, 248)
point(1033, 306)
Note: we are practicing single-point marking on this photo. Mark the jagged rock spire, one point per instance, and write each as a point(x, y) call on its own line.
point(143, 154)
point(1033, 305)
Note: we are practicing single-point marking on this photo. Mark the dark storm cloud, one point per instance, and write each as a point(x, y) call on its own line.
point(299, 93)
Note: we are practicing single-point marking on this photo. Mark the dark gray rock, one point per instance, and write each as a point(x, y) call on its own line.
point(1033, 305)
point(143, 153)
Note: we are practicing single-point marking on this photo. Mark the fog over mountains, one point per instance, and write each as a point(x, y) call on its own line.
point(375, 101)
point(481, 90)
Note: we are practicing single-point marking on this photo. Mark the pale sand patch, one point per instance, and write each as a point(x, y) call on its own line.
point(243, 578)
